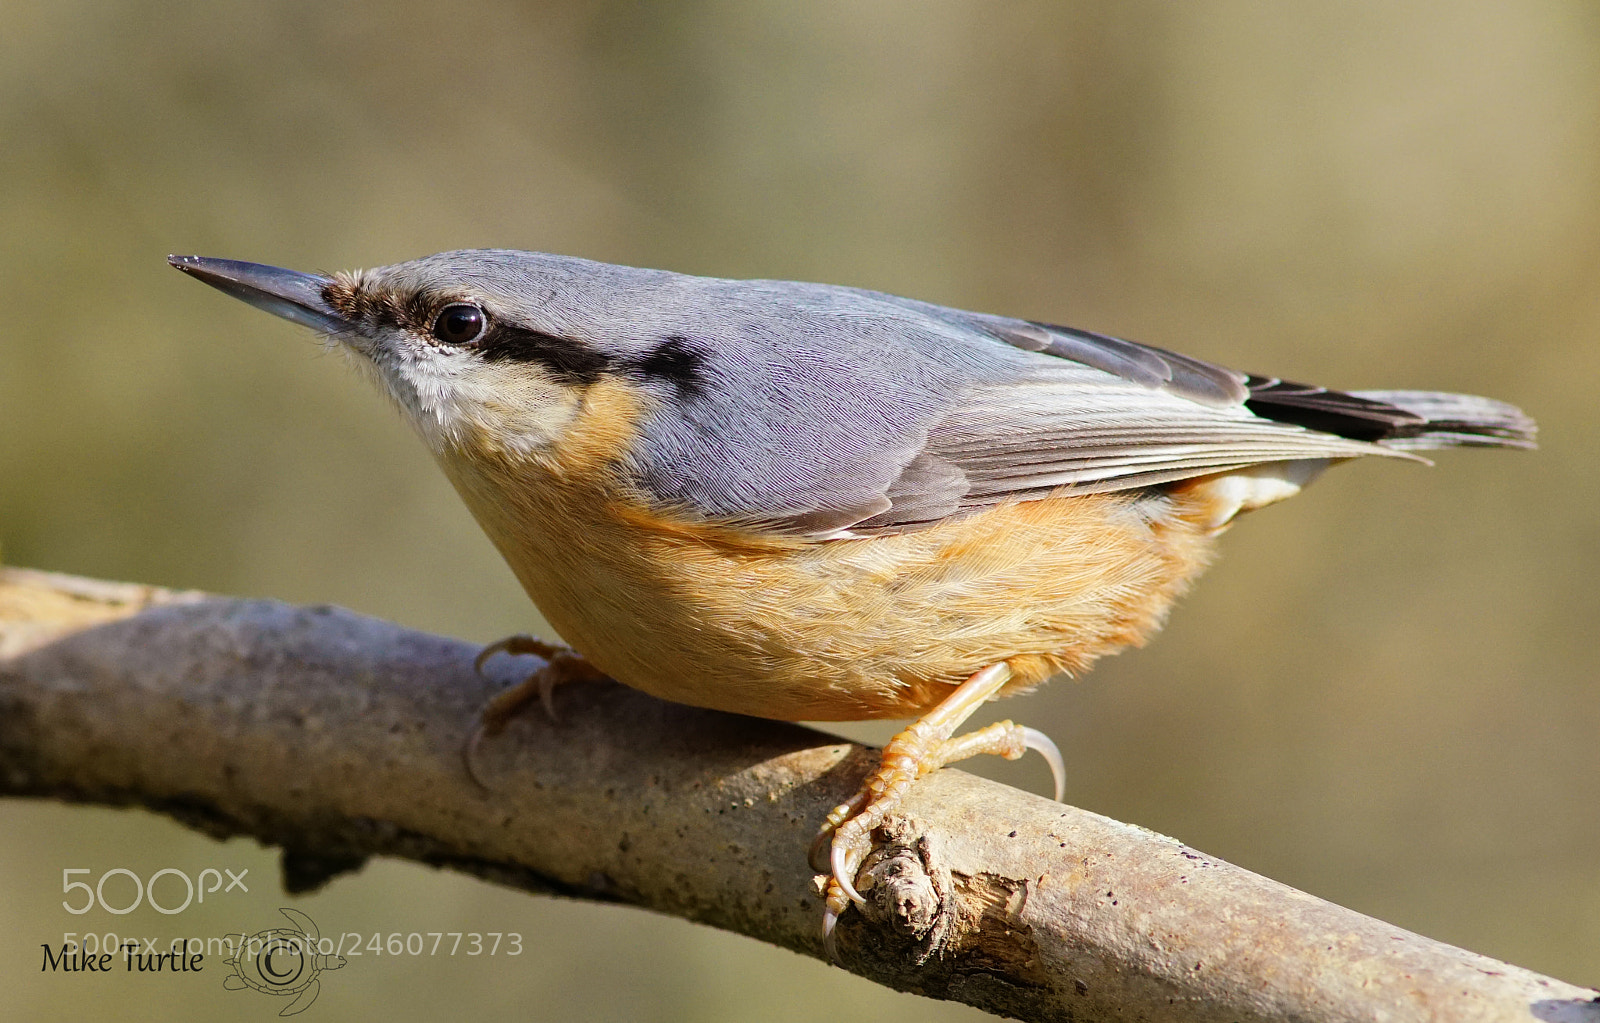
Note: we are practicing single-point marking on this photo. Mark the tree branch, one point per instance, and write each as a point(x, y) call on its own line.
point(339, 737)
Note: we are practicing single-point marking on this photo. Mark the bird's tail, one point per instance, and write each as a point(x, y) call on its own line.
point(1399, 420)
point(1444, 420)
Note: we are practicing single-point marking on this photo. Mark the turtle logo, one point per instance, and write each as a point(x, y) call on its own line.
point(281, 961)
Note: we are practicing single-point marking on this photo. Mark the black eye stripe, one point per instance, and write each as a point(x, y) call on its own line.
point(677, 361)
point(469, 326)
point(569, 361)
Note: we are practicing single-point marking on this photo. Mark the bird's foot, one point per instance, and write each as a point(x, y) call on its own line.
point(925, 746)
point(562, 665)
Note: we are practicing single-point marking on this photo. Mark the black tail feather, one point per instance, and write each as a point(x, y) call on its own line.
point(1452, 420)
point(1405, 420)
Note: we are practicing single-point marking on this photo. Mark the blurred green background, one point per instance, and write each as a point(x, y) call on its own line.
point(1385, 693)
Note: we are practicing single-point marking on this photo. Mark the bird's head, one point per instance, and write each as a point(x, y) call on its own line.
point(483, 350)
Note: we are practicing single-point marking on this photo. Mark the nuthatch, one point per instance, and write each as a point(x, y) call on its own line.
point(800, 501)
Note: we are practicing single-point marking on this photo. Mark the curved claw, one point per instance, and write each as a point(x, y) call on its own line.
point(469, 754)
point(830, 920)
point(1036, 740)
point(499, 646)
point(815, 858)
point(839, 861)
point(547, 699)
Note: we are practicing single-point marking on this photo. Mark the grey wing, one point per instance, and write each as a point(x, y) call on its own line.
point(829, 411)
point(1091, 433)
point(1109, 415)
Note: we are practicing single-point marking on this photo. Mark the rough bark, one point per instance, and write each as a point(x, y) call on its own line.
point(339, 737)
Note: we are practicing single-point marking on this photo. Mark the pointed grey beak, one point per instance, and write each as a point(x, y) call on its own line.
point(286, 293)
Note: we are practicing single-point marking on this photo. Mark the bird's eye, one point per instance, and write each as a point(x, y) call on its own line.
point(459, 324)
